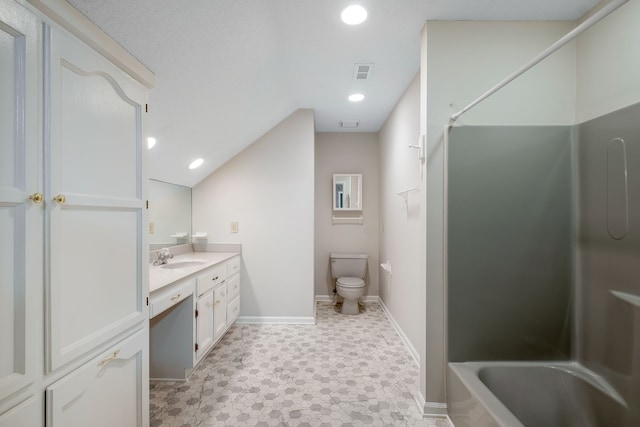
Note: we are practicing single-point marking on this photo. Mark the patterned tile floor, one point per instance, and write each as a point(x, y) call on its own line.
point(343, 371)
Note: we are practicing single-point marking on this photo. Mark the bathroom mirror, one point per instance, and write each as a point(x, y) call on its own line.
point(347, 192)
point(169, 214)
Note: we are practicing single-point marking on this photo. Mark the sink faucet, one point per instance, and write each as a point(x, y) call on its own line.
point(163, 256)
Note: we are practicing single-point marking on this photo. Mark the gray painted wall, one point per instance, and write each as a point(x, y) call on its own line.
point(510, 257)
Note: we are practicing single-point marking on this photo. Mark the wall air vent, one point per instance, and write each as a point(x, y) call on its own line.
point(349, 124)
point(362, 71)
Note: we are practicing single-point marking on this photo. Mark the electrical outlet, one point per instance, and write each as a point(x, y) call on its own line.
point(234, 226)
point(152, 228)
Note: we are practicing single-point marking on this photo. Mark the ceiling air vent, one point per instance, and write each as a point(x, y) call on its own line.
point(349, 124)
point(362, 71)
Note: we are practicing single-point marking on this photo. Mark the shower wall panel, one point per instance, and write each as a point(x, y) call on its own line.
point(510, 237)
point(609, 250)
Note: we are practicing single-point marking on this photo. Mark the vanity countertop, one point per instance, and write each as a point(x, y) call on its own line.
point(160, 277)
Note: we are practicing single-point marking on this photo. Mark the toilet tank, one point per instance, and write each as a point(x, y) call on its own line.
point(348, 264)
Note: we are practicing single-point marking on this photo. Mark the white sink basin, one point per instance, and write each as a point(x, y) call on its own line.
point(182, 264)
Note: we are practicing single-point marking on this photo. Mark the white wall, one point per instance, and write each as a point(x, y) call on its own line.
point(346, 153)
point(466, 58)
point(609, 64)
point(401, 235)
point(269, 190)
point(460, 61)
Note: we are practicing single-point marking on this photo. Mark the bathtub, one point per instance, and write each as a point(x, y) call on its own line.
point(532, 394)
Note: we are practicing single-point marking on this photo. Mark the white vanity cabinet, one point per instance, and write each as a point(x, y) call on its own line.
point(73, 283)
point(203, 305)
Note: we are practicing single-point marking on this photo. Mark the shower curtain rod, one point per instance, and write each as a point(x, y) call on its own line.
point(606, 10)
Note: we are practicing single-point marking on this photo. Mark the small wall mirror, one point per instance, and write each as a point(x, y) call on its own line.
point(347, 192)
point(169, 214)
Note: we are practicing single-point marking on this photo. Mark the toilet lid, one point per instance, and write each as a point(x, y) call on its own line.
point(350, 282)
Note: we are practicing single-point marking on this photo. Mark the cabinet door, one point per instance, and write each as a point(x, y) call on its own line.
point(94, 192)
point(20, 217)
point(27, 414)
point(105, 392)
point(219, 311)
point(204, 324)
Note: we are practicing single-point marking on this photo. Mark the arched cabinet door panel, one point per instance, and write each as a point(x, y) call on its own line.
point(20, 215)
point(94, 199)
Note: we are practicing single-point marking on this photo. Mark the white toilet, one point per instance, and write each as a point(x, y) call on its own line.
point(349, 270)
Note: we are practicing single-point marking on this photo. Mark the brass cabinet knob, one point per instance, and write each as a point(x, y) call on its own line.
point(60, 199)
point(36, 197)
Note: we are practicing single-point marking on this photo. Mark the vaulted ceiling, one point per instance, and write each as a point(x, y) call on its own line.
point(227, 71)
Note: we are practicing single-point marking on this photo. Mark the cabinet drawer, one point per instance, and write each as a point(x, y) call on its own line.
point(211, 278)
point(106, 391)
point(233, 286)
point(233, 266)
point(233, 310)
point(160, 303)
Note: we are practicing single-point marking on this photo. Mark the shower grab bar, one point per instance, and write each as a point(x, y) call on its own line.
point(597, 16)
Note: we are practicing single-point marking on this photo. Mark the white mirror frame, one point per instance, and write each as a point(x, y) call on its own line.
point(351, 197)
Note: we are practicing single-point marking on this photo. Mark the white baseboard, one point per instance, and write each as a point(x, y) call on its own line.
point(435, 410)
point(419, 399)
point(431, 409)
point(365, 299)
point(276, 320)
point(412, 350)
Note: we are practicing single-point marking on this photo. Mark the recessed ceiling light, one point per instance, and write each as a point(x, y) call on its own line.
point(354, 15)
point(196, 163)
point(151, 142)
point(356, 97)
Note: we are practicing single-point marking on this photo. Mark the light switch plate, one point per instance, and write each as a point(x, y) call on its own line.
point(152, 228)
point(234, 226)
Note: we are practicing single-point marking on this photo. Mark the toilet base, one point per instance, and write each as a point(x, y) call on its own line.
point(350, 307)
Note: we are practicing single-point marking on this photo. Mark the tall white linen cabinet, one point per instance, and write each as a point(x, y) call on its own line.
point(74, 329)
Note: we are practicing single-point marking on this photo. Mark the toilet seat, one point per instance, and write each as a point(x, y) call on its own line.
point(350, 282)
